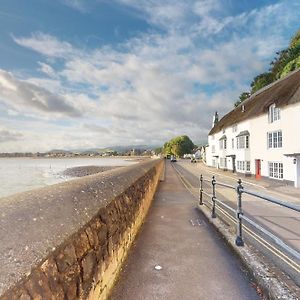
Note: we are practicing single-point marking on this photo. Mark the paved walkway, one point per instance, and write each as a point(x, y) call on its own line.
point(196, 264)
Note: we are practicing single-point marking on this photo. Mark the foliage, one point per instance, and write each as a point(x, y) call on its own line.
point(260, 81)
point(242, 98)
point(179, 146)
point(286, 61)
point(295, 41)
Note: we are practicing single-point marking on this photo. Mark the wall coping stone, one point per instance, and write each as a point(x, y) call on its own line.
point(34, 223)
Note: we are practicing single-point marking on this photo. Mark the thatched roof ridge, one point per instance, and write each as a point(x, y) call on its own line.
point(280, 92)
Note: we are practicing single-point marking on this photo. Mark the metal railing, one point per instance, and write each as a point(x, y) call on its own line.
point(238, 211)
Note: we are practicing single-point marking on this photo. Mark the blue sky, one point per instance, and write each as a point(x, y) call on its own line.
point(85, 74)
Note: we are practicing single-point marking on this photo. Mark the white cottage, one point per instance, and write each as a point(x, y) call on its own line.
point(261, 137)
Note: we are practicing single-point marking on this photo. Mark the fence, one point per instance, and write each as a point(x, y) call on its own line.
point(238, 211)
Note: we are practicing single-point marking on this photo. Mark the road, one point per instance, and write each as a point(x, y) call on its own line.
point(178, 255)
point(280, 221)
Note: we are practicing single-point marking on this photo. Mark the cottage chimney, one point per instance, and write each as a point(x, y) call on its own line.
point(215, 119)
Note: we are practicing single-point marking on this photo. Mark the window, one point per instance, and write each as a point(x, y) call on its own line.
point(213, 149)
point(276, 170)
point(232, 143)
point(234, 128)
point(214, 164)
point(223, 162)
point(274, 113)
point(248, 166)
point(274, 139)
point(242, 142)
point(212, 137)
point(223, 144)
point(242, 165)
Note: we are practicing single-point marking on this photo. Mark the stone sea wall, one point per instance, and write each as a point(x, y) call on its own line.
point(80, 256)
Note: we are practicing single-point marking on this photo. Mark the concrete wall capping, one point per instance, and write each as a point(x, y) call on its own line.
point(81, 258)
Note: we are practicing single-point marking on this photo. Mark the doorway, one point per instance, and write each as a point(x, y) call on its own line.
point(257, 168)
point(233, 164)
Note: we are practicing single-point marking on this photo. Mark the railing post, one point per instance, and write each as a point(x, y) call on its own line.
point(201, 190)
point(239, 212)
point(213, 199)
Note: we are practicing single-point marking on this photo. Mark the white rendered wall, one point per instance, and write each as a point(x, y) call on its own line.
point(289, 124)
point(258, 128)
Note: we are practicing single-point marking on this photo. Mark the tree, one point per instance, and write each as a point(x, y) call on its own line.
point(179, 146)
point(243, 97)
point(295, 41)
point(261, 81)
point(285, 61)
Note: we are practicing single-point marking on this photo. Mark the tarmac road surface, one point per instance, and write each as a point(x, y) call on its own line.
point(178, 255)
point(282, 222)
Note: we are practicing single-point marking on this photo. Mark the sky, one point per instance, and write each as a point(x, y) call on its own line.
point(80, 74)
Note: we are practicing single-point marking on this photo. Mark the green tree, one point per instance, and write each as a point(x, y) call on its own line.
point(261, 81)
point(243, 97)
point(285, 61)
point(295, 41)
point(179, 146)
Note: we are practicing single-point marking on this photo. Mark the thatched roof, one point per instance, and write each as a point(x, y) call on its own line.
point(281, 92)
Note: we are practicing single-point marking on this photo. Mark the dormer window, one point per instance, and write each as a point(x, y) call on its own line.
point(274, 113)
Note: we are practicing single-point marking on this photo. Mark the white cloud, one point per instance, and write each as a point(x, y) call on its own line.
point(7, 135)
point(47, 69)
point(79, 5)
point(27, 97)
point(47, 45)
point(158, 86)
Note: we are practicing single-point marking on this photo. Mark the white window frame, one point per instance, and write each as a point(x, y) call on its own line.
point(274, 113)
point(223, 144)
point(243, 165)
point(213, 148)
point(275, 169)
point(248, 169)
point(223, 162)
point(214, 163)
point(274, 139)
point(243, 142)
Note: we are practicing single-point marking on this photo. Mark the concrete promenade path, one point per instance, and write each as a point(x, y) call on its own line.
point(195, 262)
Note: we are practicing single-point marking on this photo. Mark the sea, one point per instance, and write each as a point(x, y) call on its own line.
point(23, 174)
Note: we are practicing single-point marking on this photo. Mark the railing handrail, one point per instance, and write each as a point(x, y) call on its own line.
point(272, 199)
point(276, 239)
point(259, 195)
point(240, 190)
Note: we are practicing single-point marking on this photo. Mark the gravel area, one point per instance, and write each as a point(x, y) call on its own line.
point(86, 170)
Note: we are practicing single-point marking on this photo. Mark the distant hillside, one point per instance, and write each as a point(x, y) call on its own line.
point(119, 149)
point(286, 61)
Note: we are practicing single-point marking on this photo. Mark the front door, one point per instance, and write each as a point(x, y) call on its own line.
point(233, 164)
point(257, 169)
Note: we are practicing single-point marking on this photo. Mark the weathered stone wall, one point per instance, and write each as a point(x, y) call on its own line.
point(86, 264)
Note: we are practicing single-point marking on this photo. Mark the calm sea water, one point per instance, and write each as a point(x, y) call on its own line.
point(23, 174)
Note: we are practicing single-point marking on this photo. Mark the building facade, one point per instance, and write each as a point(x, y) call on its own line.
point(261, 137)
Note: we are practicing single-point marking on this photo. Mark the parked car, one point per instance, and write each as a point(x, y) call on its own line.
point(173, 158)
point(193, 160)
